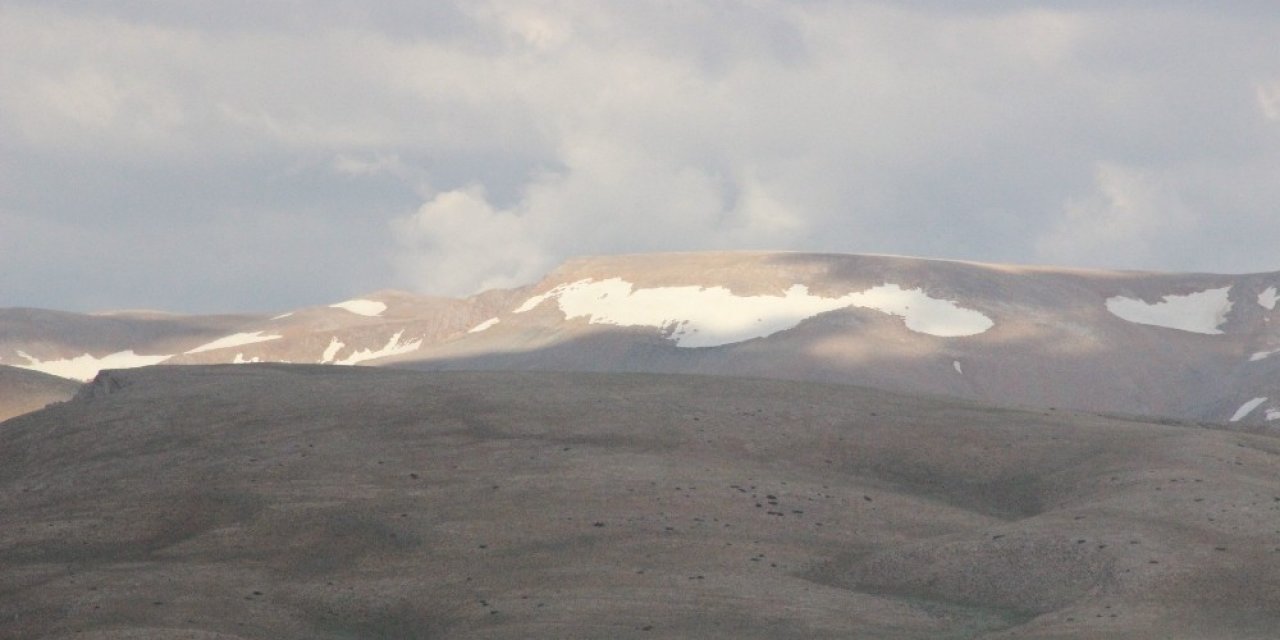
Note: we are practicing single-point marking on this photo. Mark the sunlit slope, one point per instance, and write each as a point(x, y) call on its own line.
point(320, 502)
point(1189, 345)
point(22, 391)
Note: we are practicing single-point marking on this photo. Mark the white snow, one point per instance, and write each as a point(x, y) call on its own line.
point(956, 365)
point(239, 359)
point(1247, 408)
point(711, 316)
point(1273, 414)
point(369, 308)
point(235, 340)
point(1263, 355)
point(1201, 312)
point(532, 303)
point(483, 325)
point(331, 351)
point(282, 316)
point(393, 347)
point(87, 366)
point(1268, 298)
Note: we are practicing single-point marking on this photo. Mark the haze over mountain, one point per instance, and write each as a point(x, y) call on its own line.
point(289, 501)
point(1190, 346)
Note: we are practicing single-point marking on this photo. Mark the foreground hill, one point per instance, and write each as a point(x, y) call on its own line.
point(279, 501)
point(1190, 346)
point(22, 391)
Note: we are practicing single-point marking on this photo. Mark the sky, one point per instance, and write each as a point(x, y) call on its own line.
point(255, 156)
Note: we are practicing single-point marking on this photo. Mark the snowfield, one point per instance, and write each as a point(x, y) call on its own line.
point(235, 340)
point(483, 325)
point(394, 347)
point(371, 308)
point(331, 351)
point(1201, 312)
point(713, 316)
point(87, 366)
point(1247, 408)
point(1268, 298)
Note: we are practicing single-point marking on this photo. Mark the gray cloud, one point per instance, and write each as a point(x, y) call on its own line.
point(176, 155)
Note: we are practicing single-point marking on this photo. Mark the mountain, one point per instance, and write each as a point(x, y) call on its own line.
point(290, 501)
point(22, 391)
point(385, 323)
point(1187, 346)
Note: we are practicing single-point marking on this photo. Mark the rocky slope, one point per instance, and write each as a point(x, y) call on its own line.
point(287, 501)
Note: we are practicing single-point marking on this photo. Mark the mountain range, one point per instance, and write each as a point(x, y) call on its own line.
point(1198, 347)
point(711, 445)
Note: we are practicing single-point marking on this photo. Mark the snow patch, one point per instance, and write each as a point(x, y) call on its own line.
point(331, 351)
point(85, 367)
point(955, 364)
point(1263, 355)
point(1201, 312)
point(369, 308)
point(1268, 298)
point(483, 325)
point(282, 316)
point(239, 359)
point(1273, 414)
point(235, 340)
point(394, 347)
point(1247, 408)
point(711, 316)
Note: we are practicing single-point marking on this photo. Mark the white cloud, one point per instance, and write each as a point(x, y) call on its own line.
point(457, 243)
point(1269, 100)
point(1122, 223)
point(524, 132)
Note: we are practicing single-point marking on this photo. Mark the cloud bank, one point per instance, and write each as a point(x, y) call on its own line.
point(262, 156)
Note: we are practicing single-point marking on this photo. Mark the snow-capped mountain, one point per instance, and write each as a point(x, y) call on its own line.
point(1190, 346)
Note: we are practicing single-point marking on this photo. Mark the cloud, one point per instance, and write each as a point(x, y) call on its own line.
point(1125, 222)
point(470, 144)
point(1269, 100)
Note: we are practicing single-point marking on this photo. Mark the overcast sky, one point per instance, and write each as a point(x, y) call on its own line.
point(248, 155)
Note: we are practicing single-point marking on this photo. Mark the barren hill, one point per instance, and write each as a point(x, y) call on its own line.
point(1194, 346)
point(22, 391)
point(1189, 346)
point(289, 501)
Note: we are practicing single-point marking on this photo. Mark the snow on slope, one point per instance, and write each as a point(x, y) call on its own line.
point(235, 340)
point(1201, 312)
point(85, 367)
point(1247, 408)
point(1268, 298)
point(483, 325)
point(713, 316)
point(371, 308)
point(1263, 355)
point(331, 351)
point(394, 347)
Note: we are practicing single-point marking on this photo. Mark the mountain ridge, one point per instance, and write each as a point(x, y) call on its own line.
point(1197, 346)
